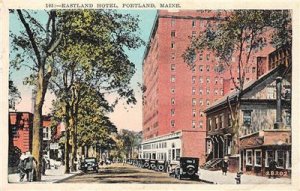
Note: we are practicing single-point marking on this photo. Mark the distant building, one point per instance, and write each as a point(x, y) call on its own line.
point(264, 127)
point(174, 123)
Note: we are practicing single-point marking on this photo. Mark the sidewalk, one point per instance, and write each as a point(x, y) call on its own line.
point(52, 176)
point(216, 177)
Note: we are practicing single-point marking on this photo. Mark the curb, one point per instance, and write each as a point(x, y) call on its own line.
point(71, 176)
point(207, 181)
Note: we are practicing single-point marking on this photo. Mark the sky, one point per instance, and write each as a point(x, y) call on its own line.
point(124, 116)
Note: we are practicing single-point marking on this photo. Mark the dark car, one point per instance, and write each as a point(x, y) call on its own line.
point(89, 164)
point(188, 168)
point(153, 164)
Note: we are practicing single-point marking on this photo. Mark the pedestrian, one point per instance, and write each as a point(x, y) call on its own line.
point(30, 164)
point(44, 165)
point(224, 167)
point(21, 167)
point(272, 168)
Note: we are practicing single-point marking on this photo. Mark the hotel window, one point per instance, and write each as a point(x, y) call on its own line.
point(208, 80)
point(269, 157)
point(247, 117)
point(172, 123)
point(193, 101)
point(194, 113)
point(217, 122)
point(194, 34)
point(193, 91)
point(200, 91)
point(173, 101)
point(193, 79)
point(201, 114)
point(173, 56)
point(207, 56)
point(201, 124)
point(253, 70)
point(193, 124)
point(207, 102)
point(173, 78)
point(201, 68)
point(280, 158)
point(172, 34)
point(221, 91)
point(172, 67)
point(207, 68)
point(201, 102)
point(172, 45)
point(207, 91)
point(193, 23)
point(216, 91)
point(288, 163)
point(209, 124)
point(257, 158)
point(172, 112)
point(172, 22)
point(221, 80)
point(248, 157)
point(200, 79)
point(172, 90)
point(201, 56)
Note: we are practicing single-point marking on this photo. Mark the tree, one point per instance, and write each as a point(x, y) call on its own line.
point(131, 141)
point(240, 33)
point(36, 43)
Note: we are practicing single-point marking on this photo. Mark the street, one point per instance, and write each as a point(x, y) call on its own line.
point(117, 173)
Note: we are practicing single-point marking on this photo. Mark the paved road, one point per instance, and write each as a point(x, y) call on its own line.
point(117, 173)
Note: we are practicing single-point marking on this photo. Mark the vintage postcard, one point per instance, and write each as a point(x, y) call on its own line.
point(156, 95)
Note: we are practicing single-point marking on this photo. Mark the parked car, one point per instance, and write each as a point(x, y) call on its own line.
point(89, 164)
point(188, 168)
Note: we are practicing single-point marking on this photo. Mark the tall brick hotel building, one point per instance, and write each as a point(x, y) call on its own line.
point(174, 123)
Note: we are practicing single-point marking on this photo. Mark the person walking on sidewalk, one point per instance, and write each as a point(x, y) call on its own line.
point(30, 165)
point(224, 167)
point(272, 168)
point(21, 167)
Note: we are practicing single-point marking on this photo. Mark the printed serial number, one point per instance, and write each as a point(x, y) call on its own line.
point(277, 173)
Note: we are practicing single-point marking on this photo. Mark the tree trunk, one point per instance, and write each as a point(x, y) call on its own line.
point(73, 145)
point(67, 146)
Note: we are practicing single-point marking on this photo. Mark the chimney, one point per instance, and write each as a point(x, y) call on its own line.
point(278, 124)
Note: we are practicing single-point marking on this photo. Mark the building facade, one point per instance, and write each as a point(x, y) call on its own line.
point(264, 129)
point(177, 95)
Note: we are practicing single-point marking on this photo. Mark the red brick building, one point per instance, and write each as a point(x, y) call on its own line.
point(176, 95)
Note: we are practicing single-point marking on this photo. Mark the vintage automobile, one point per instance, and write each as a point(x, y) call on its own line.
point(146, 163)
point(187, 168)
point(89, 164)
point(162, 165)
point(153, 164)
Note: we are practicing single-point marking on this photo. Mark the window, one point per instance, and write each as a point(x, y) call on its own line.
point(172, 34)
point(248, 157)
point(288, 117)
point(193, 91)
point(280, 158)
point(173, 101)
point(172, 90)
point(172, 67)
point(216, 80)
point(216, 91)
point(172, 22)
point(209, 124)
point(193, 101)
point(194, 113)
point(193, 124)
point(217, 122)
point(173, 56)
point(201, 124)
point(201, 102)
point(200, 79)
point(221, 80)
point(193, 23)
point(247, 117)
point(193, 79)
point(288, 160)
point(269, 157)
point(207, 102)
point(201, 56)
point(207, 56)
point(172, 45)
point(201, 113)
point(194, 34)
point(200, 91)
point(257, 157)
point(253, 69)
point(177, 154)
point(172, 112)
point(207, 68)
point(207, 80)
point(173, 78)
point(207, 91)
point(201, 68)
point(172, 123)
point(221, 91)
point(222, 121)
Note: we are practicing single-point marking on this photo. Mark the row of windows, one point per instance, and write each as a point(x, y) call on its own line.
point(200, 124)
point(282, 158)
point(218, 122)
point(194, 113)
point(201, 102)
point(160, 145)
point(173, 79)
point(216, 91)
point(202, 23)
